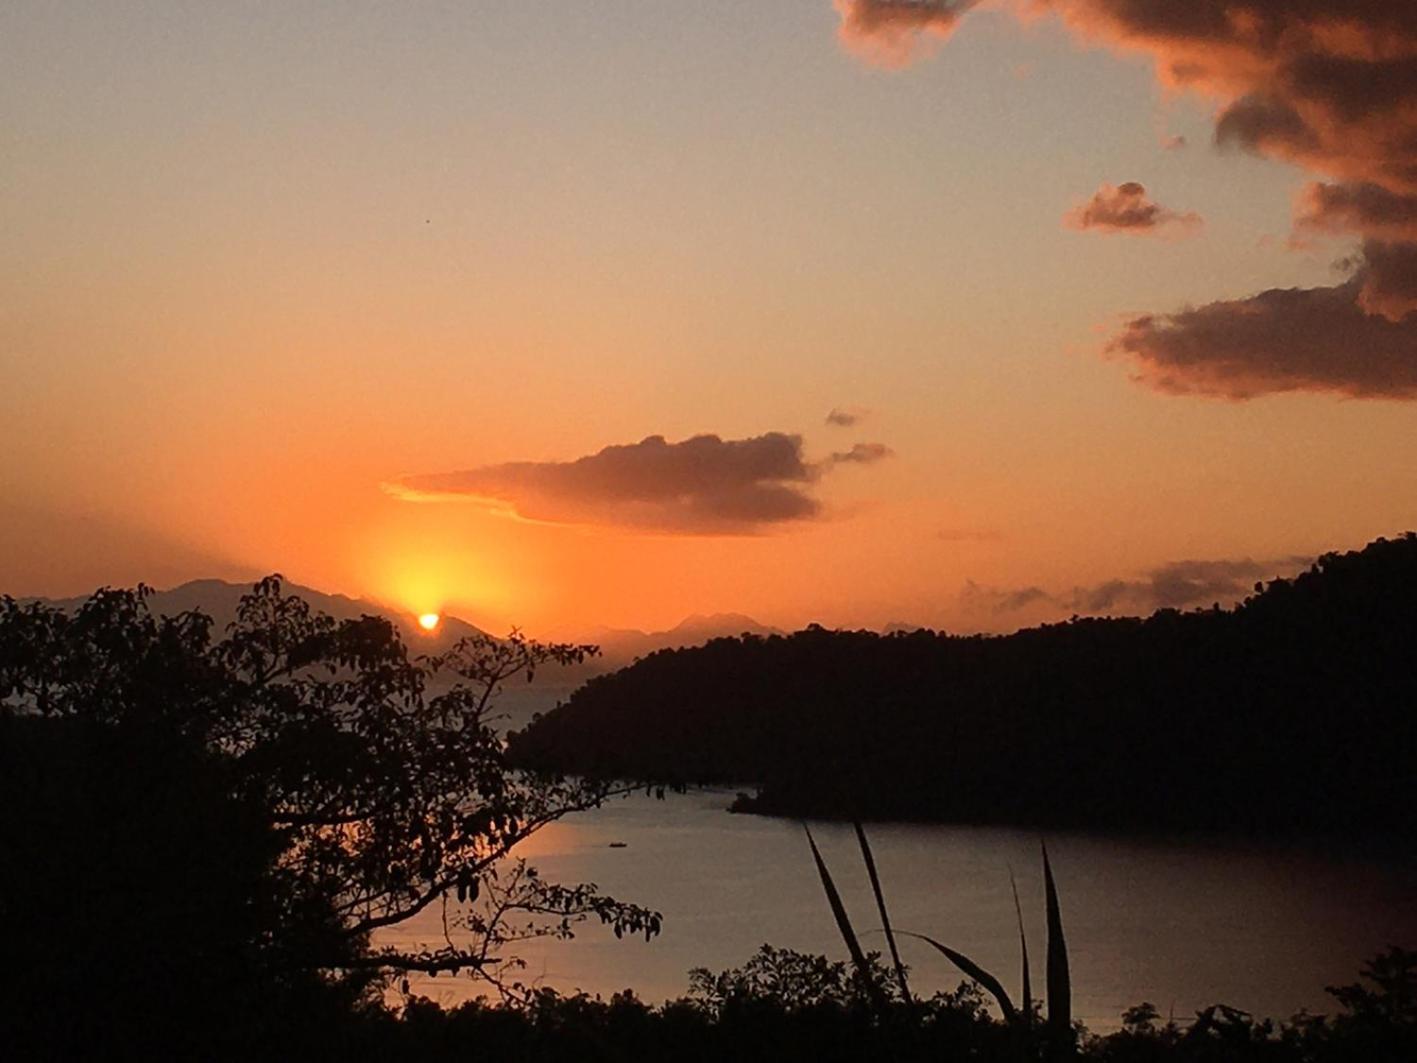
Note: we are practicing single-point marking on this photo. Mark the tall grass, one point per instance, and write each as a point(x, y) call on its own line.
point(1058, 982)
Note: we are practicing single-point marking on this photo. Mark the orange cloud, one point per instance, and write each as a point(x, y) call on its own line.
point(896, 33)
point(704, 485)
point(1126, 208)
point(1331, 87)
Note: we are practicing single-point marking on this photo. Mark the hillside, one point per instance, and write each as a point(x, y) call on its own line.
point(1295, 710)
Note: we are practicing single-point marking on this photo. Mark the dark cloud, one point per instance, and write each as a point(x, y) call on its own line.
point(845, 417)
point(861, 454)
point(1389, 275)
point(700, 486)
point(1363, 208)
point(998, 600)
point(895, 33)
point(1126, 208)
point(1332, 88)
point(1182, 584)
point(1175, 585)
point(1293, 339)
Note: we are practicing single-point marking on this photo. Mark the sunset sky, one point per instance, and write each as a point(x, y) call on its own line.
point(990, 313)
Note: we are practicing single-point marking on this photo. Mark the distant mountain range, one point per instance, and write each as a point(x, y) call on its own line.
point(619, 646)
point(219, 600)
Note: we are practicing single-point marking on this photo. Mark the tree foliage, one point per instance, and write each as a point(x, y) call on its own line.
point(1292, 712)
point(255, 808)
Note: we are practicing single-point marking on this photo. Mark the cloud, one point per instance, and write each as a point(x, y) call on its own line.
point(1182, 584)
point(1332, 88)
point(1389, 276)
point(861, 454)
point(896, 33)
point(1363, 208)
point(704, 485)
point(1174, 585)
point(845, 416)
point(998, 600)
point(1293, 339)
point(1125, 208)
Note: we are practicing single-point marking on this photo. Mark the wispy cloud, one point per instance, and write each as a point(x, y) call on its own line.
point(845, 416)
point(1174, 585)
point(861, 454)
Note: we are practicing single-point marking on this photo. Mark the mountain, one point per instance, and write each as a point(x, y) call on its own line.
point(1294, 711)
point(219, 600)
point(621, 646)
point(520, 701)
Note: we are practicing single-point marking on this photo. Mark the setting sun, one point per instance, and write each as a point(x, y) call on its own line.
point(429, 621)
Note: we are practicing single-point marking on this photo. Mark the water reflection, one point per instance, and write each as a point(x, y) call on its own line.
point(1180, 925)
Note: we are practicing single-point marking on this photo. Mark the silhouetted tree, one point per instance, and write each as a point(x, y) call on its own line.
point(1292, 711)
point(217, 828)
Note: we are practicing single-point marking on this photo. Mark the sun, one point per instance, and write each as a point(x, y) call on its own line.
point(429, 621)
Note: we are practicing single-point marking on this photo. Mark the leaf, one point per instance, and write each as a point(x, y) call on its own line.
point(1023, 947)
point(973, 970)
point(1060, 994)
point(843, 922)
point(881, 907)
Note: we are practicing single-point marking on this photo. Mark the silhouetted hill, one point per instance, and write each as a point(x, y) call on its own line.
point(621, 646)
point(1296, 710)
point(219, 599)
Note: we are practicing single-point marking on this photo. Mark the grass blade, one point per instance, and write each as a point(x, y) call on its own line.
point(973, 970)
point(881, 907)
point(1060, 1003)
point(843, 922)
point(1023, 947)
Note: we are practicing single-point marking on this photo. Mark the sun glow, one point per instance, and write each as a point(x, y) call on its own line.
point(429, 621)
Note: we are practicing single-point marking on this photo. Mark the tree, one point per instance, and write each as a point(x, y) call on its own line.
point(281, 794)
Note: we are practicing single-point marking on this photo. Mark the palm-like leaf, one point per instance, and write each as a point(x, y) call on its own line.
point(843, 923)
point(973, 970)
point(1023, 947)
point(881, 907)
point(1060, 1004)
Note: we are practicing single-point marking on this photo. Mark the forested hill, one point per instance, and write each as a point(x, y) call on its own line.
point(1295, 711)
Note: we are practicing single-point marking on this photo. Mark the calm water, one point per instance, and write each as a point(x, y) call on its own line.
point(1180, 925)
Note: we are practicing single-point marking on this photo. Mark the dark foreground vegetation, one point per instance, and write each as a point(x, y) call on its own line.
point(1293, 713)
point(794, 1008)
point(202, 836)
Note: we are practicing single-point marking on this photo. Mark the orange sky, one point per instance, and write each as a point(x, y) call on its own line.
point(260, 264)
